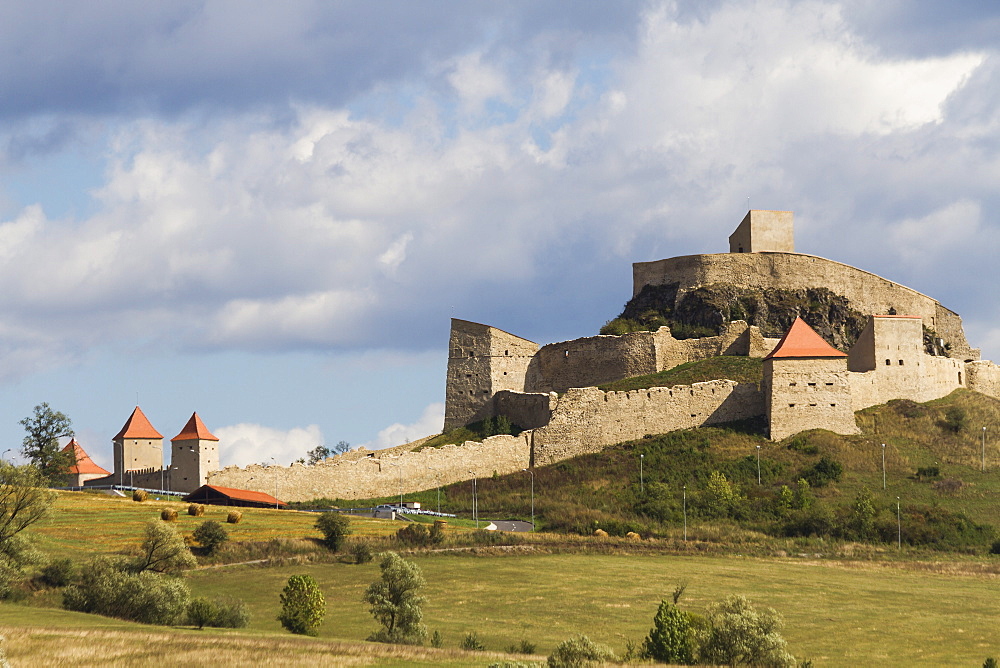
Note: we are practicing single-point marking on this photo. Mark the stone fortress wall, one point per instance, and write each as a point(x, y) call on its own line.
point(549, 390)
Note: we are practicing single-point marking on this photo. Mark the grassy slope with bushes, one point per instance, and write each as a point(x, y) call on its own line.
point(732, 367)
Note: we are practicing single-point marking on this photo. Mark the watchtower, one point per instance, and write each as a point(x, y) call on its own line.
point(137, 446)
point(195, 452)
point(764, 231)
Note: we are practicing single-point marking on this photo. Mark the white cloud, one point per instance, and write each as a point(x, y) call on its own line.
point(430, 422)
point(244, 444)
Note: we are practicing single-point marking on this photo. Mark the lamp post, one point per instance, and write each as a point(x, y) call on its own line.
point(438, 479)
point(883, 466)
point(642, 487)
point(984, 449)
point(899, 528)
point(475, 500)
point(758, 466)
point(4, 455)
point(532, 474)
point(685, 513)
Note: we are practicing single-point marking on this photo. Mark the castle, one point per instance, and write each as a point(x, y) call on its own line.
point(139, 462)
point(907, 345)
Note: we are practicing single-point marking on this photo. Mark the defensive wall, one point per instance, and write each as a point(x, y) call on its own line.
point(867, 292)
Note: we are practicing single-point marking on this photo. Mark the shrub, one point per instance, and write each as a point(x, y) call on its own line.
point(995, 548)
point(928, 472)
point(109, 587)
point(168, 515)
point(234, 517)
point(210, 535)
point(954, 419)
point(523, 647)
point(736, 633)
point(58, 572)
point(579, 651)
point(437, 532)
point(907, 408)
point(196, 510)
point(201, 612)
point(362, 552)
point(671, 640)
point(302, 605)
point(162, 550)
point(414, 534)
point(949, 486)
point(471, 642)
point(335, 529)
point(218, 613)
point(822, 472)
point(139, 495)
point(436, 640)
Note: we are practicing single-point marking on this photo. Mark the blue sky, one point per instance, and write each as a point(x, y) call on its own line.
point(268, 213)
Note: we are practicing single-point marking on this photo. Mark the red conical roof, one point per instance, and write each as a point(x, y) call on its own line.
point(194, 428)
point(801, 340)
point(84, 464)
point(138, 426)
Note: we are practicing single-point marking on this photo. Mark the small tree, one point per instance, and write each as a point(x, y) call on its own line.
point(318, 454)
point(210, 535)
point(671, 639)
point(41, 444)
point(109, 587)
point(201, 612)
point(738, 634)
point(395, 602)
point(862, 519)
point(335, 529)
point(23, 501)
point(162, 550)
point(579, 651)
point(302, 605)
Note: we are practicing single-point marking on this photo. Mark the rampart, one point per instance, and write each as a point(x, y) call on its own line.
point(867, 292)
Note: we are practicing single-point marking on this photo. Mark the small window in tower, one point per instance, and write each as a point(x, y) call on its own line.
point(812, 384)
point(959, 377)
point(791, 385)
point(833, 405)
point(900, 362)
point(812, 404)
point(888, 363)
point(565, 353)
point(829, 384)
point(791, 405)
point(506, 352)
point(505, 373)
point(472, 354)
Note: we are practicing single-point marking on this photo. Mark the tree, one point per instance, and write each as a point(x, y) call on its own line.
point(739, 634)
point(335, 529)
point(41, 445)
point(671, 640)
point(210, 535)
point(23, 501)
point(579, 651)
point(110, 587)
point(302, 605)
point(163, 551)
point(395, 602)
point(318, 454)
point(862, 518)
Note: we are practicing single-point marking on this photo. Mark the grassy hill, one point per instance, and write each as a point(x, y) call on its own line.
point(738, 368)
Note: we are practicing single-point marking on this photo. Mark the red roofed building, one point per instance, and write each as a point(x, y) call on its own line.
point(806, 384)
point(84, 467)
point(138, 446)
point(194, 452)
point(229, 496)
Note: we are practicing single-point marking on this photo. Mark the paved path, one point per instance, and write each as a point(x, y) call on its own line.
point(509, 525)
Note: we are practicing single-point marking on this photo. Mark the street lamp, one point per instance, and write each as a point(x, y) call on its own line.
point(642, 487)
point(984, 449)
point(883, 466)
point(685, 513)
point(532, 473)
point(758, 466)
point(438, 479)
point(4, 455)
point(475, 501)
point(899, 528)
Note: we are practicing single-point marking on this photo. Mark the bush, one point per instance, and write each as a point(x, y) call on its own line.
point(162, 550)
point(579, 651)
point(362, 552)
point(168, 515)
point(335, 529)
point(108, 587)
point(210, 535)
point(437, 640)
point(414, 534)
point(201, 612)
point(196, 510)
point(302, 605)
point(220, 613)
point(822, 472)
point(955, 419)
point(58, 572)
point(736, 633)
point(523, 647)
point(234, 517)
point(671, 640)
point(139, 495)
point(928, 472)
point(471, 642)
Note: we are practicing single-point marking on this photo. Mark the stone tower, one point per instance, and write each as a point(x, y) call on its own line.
point(806, 384)
point(764, 231)
point(138, 446)
point(195, 452)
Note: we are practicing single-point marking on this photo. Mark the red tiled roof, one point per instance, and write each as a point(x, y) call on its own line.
point(137, 427)
point(84, 464)
point(245, 495)
point(801, 340)
point(194, 429)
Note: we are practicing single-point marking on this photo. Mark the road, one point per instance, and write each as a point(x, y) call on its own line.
point(509, 525)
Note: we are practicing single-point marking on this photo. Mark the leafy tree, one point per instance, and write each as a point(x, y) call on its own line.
point(162, 551)
point(861, 523)
point(201, 612)
point(109, 587)
point(210, 535)
point(335, 529)
point(579, 651)
point(395, 602)
point(824, 471)
point(738, 634)
point(341, 447)
point(41, 444)
point(302, 605)
point(23, 501)
point(318, 454)
point(720, 495)
point(671, 640)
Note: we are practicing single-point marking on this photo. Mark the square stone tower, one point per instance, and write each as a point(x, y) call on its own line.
point(806, 385)
point(138, 446)
point(195, 452)
point(764, 231)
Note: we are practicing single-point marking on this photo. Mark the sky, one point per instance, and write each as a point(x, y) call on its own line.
point(268, 212)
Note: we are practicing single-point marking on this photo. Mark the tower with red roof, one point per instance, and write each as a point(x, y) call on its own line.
point(138, 446)
point(83, 467)
point(806, 384)
point(195, 452)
